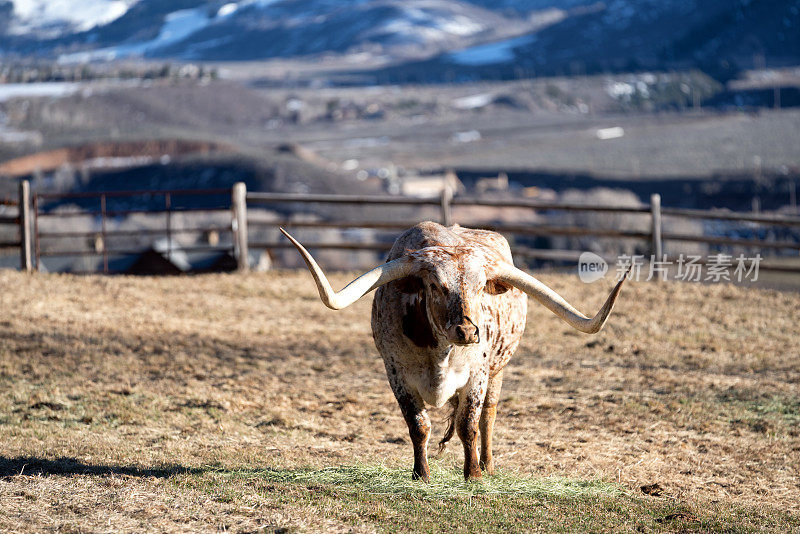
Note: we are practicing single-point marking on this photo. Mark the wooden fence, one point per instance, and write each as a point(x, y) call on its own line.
point(655, 237)
point(30, 213)
point(105, 235)
point(22, 239)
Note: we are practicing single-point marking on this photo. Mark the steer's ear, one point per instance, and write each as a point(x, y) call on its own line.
point(496, 287)
point(409, 284)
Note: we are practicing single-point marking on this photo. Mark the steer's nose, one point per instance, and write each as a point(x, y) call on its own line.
point(466, 333)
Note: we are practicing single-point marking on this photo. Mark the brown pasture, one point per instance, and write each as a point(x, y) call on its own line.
point(118, 393)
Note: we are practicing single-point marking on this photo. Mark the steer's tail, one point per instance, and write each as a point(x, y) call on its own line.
point(451, 426)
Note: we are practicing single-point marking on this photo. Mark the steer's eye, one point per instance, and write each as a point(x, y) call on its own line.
point(495, 287)
point(438, 288)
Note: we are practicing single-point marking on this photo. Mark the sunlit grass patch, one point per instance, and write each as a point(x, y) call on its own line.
point(386, 499)
point(446, 482)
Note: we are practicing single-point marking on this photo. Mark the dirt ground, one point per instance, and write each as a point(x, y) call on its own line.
point(123, 400)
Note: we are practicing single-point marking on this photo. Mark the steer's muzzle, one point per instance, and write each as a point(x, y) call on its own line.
point(465, 333)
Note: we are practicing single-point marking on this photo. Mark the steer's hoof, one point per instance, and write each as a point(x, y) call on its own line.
point(424, 476)
point(472, 475)
point(488, 467)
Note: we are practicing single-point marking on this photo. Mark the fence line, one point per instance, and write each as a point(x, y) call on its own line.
point(240, 199)
point(262, 198)
point(778, 220)
point(104, 234)
point(655, 236)
point(18, 221)
point(535, 230)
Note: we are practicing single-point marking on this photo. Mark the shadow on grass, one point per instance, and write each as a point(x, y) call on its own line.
point(30, 465)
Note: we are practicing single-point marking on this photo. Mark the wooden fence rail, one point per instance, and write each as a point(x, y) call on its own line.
point(21, 222)
point(31, 236)
point(168, 210)
point(724, 215)
point(655, 236)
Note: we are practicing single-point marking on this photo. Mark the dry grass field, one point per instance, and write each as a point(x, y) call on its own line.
point(240, 403)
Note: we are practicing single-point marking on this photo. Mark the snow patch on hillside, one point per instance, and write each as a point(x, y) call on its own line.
point(232, 7)
point(50, 15)
point(37, 90)
point(228, 9)
point(178, 25)
point(417, 24)
point(503, 51)
point(486, 54)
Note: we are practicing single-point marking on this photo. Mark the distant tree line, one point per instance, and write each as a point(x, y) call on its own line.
point(33, 72)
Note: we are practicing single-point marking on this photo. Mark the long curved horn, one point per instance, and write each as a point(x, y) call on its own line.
point(555, 303)
point(383, 274)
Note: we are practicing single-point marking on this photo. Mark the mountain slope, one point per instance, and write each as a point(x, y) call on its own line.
point(254, 29)
point(647, 32)
point(305, 28)
point(473, 38)
point(630, 35)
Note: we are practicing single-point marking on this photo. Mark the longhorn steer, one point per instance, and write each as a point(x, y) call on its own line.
point(448, 313)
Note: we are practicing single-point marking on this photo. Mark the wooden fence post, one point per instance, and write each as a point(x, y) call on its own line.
point(447, 196)
point(655, 212)
point(26, 262)
point(239, 226)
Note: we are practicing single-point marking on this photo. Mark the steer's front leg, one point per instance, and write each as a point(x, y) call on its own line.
point(488, 414)
point(419, 429)
point(419, 424)
point(467, 418)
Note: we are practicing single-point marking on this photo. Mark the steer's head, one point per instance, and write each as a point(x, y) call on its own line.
point(453, 280)
point(449, 284)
